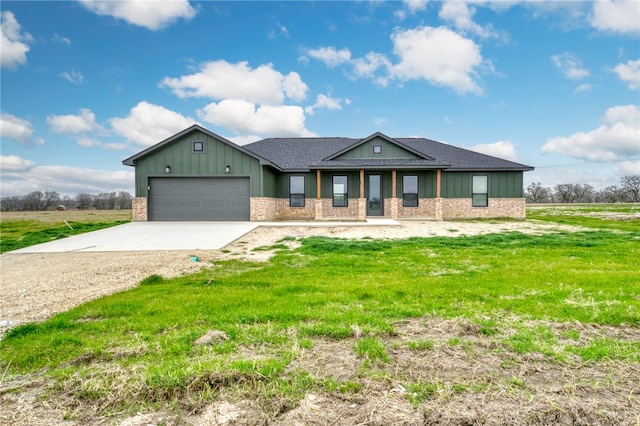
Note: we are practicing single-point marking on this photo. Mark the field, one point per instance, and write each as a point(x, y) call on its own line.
point(24, 229)
point(501, 328)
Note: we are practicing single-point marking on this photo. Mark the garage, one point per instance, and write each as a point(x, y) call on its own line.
point(199, 198)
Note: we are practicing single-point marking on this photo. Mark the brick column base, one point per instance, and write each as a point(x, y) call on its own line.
point(439, 209)
point(394, 208)
point(139, 207)
point(362, 209)
point(318, 209)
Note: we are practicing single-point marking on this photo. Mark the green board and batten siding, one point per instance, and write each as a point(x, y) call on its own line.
point(365, 151)
point(501, 184)
point(183, 162)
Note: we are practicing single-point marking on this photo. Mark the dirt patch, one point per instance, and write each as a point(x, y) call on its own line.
point(461, 377)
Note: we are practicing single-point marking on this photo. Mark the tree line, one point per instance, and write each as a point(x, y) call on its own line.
point(51, 200)
point(628, 191)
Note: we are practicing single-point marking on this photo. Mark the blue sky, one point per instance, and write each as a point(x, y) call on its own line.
point(85, 84)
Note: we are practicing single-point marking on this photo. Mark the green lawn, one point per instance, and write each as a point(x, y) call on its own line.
point(24, 229)
point(334, 289)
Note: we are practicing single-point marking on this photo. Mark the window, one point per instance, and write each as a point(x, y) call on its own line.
point(296, 191)
point(410, 191)
point(480, 191)
point(340, 195)
point(197, 147)
point(377, 149)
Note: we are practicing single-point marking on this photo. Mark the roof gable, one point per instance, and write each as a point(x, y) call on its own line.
point(390, 149)
point(180, 135)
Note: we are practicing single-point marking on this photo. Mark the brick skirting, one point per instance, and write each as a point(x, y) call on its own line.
point(266, 209)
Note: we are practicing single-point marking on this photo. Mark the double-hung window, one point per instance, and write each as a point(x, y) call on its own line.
point(410, 191)
point(296, 191)
point(340, 194)
point(480, 191)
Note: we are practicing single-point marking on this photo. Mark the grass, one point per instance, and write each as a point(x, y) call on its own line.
point(142, 341)
point(24, 229)
point(600, 216)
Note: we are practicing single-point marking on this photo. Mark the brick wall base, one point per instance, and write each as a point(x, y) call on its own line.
point(267, 209)
point(461, 208)
point(139, 209)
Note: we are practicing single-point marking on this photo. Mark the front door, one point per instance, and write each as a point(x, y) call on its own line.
point(374, 199)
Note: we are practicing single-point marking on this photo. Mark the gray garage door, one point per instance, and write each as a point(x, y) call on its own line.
point(187, 198)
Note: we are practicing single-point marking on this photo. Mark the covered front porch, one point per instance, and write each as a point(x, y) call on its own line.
point(380, 193)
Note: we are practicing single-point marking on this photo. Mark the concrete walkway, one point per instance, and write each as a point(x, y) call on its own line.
point(143, 236)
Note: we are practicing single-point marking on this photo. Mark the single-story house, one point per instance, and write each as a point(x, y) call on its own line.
point(198, 175)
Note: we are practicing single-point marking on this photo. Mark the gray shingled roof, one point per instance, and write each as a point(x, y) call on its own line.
point(297, 154)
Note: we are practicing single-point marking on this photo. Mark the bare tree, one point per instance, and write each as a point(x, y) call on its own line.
point(123, 200)
point(536, 193)
point(564, 193)
point(631, 185)
point(583, 193)
point(84, 200)
point(105, 201)
point(610, 194)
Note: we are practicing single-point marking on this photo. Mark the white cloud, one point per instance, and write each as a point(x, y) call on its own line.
point(585, 87)
point(412, 7)
point(324, 102)
point(15, 164)
point(20, 176)
point(452, 58)
point(629, 73)
point(460, 14)
point(73, 76)
point(152, 15)
point(294, 88)
point(223, 80)
point(618, 16)
point(629, 168)
point(84, 122)
point(243, 117)
point(330, 56)
point(616, 139)
point(148, 124)
point(500, 149)
point(570, 65)
point(244, 139)
point(91, 143)
point(368, 66)
point(14, 47)
point(17, 129)
point(60, 39)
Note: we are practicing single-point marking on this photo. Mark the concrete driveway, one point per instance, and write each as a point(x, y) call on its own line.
point(142, 236)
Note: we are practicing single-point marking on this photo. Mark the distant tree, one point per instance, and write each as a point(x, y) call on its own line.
point(536, 193)
point(105, 201)
point(12, 203)
point(84, 200)
point(32, 201)
point(583, 193)
point(50, 200)
point(610, 194)
point(631, 185)
point(67, 202)
point(563, 193)
point(123, 200)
